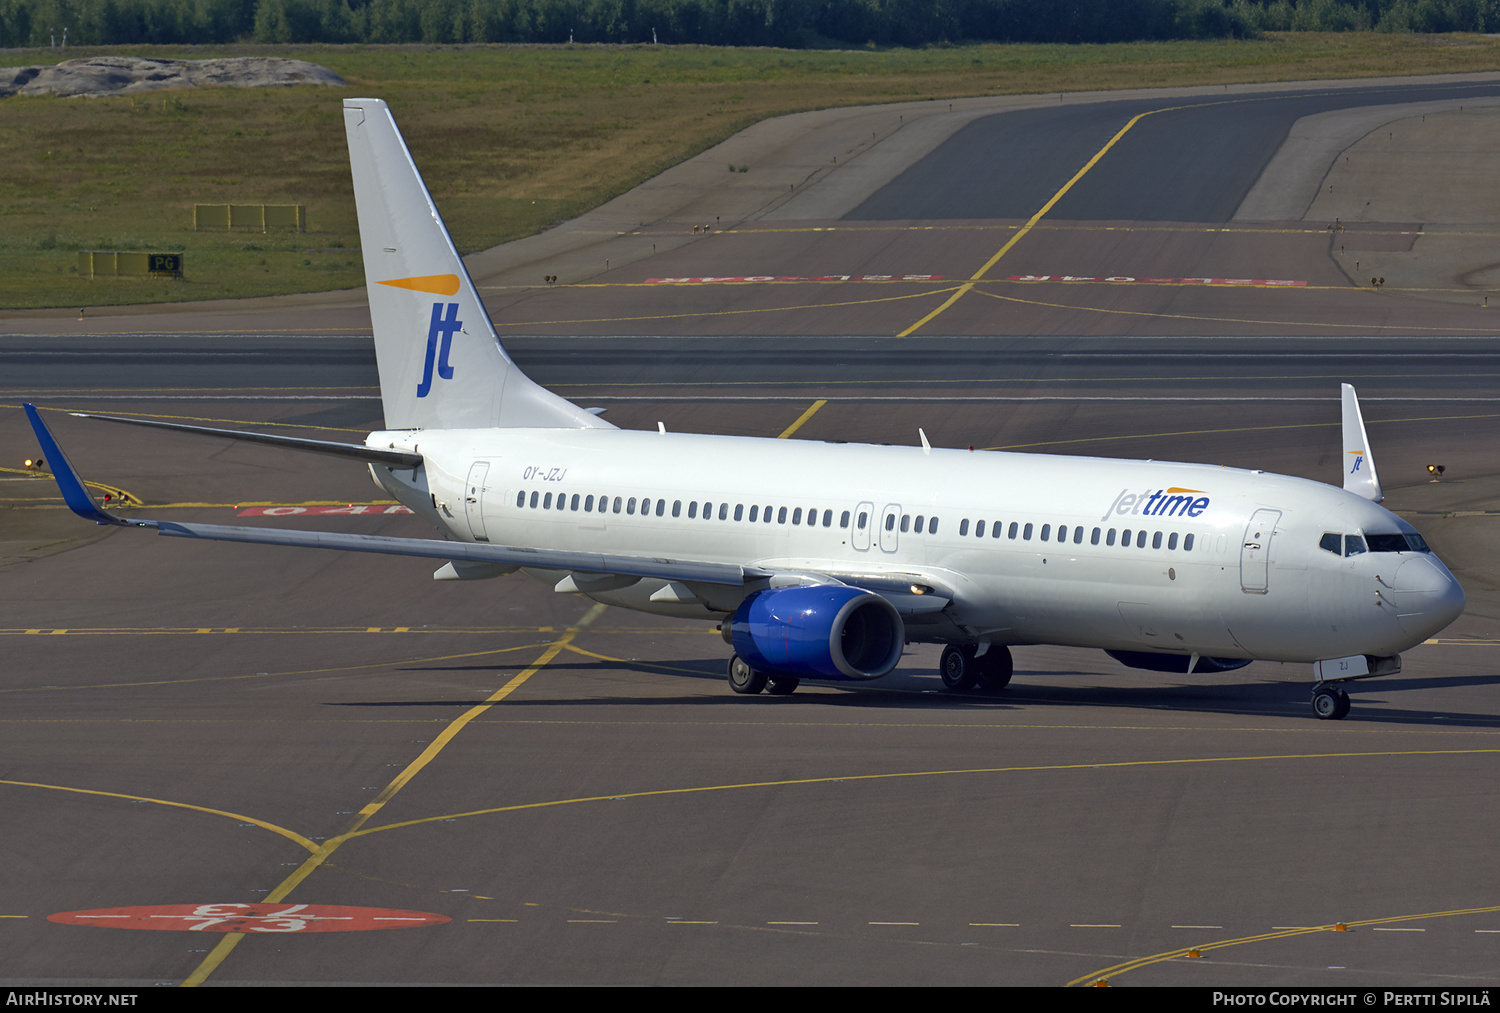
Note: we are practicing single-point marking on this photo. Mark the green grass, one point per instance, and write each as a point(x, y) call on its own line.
point(510, 140)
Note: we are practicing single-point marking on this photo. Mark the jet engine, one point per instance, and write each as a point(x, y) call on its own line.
point(819, 631)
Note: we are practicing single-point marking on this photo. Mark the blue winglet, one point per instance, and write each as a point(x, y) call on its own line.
point(74, 493)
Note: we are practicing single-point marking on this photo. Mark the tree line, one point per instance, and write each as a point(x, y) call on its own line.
point(795, 24)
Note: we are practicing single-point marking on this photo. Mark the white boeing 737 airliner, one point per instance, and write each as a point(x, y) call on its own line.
point(822, 561)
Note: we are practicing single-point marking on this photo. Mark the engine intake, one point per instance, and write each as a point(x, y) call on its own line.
point(819, 631)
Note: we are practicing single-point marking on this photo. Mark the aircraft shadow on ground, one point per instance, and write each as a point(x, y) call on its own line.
point(1035, 688)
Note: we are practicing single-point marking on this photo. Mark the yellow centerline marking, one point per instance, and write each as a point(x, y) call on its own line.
point(812, 410)
point(1236, 429)
point(226, 946)
point(383, 663)
point(1031, 224)
point(710, 313)
point(1363, 327)
point(650, 665)
point(283, 831)
point(179, 630)
point(1131, 965)
point(900, 775)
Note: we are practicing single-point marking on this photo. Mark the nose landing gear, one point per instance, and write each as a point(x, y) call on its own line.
point(1329, 702)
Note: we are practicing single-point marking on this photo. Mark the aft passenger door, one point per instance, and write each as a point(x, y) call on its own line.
point(1255, 551)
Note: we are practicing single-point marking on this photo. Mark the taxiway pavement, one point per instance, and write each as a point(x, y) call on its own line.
point(577, 790)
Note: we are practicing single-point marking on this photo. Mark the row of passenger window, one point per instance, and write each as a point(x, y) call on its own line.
point(1025, 531)
point(645, 506)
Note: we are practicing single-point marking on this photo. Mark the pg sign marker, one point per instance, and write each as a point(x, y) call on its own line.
point(250, 918)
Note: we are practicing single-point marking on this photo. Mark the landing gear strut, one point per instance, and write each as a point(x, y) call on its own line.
point(961, 670)
point(1329, 702)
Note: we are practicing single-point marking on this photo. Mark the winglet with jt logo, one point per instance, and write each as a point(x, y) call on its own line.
point(1359, 463)
point(441, 365)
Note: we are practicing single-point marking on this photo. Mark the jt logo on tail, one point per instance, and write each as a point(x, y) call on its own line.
point(445, 326)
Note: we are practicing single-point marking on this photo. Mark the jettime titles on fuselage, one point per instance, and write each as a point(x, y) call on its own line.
point(1173, 502)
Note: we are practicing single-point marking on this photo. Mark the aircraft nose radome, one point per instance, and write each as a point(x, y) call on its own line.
point(1426, 595)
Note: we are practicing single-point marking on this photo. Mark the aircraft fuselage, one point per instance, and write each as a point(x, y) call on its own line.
point(1091, 552)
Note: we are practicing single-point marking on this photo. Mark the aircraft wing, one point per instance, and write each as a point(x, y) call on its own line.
point(357, 451)
point(77, 496)
point(911, 593)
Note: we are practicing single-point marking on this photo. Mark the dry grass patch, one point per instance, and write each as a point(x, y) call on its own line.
point(510, 140)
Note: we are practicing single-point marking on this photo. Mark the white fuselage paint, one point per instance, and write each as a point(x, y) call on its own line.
point(1245, 590)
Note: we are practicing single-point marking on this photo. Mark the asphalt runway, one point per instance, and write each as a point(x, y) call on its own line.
point(576, 791)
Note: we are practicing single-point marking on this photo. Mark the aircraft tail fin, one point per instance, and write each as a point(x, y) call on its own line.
point(1359, 463)
point(441, 364)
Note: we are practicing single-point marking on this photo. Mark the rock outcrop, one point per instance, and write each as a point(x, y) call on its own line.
point(129, 75)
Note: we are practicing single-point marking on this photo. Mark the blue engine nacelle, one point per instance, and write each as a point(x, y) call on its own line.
point(819, 631)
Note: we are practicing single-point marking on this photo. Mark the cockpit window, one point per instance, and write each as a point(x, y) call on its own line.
point(1332, 542)
point(1353, 545)
point(1396, 543)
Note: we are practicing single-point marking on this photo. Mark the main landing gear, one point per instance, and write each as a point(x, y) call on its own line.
point(744, 679)
point(1329, 701)
point(961, 670)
